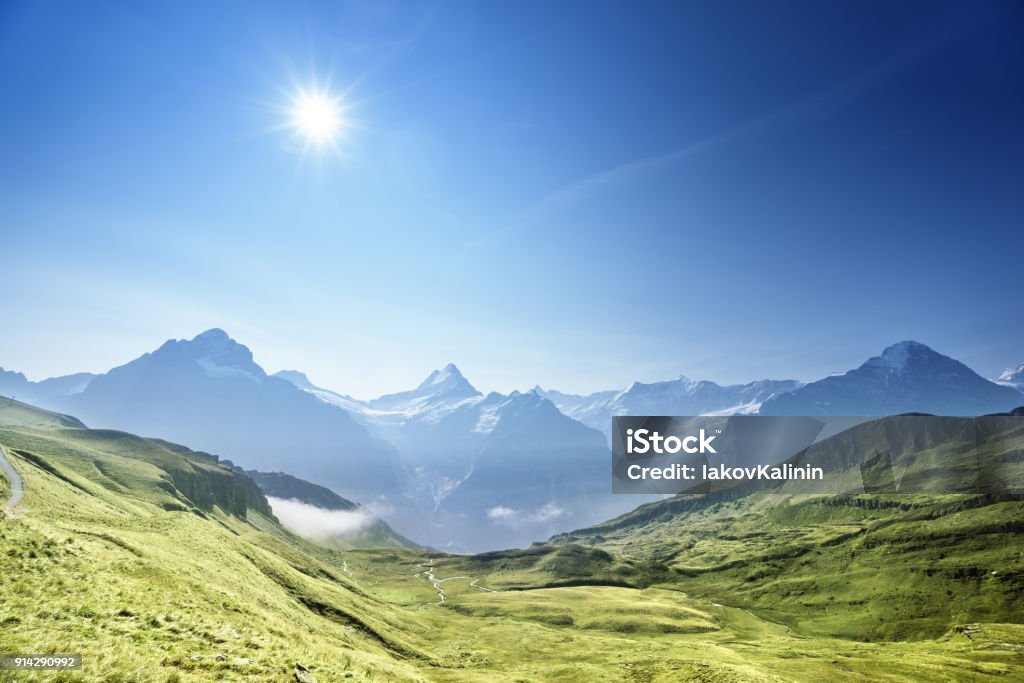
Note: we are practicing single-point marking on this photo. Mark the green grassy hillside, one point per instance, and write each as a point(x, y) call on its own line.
point(868, 567)
point(160, 564)
point(16, 413)
point(861, 567)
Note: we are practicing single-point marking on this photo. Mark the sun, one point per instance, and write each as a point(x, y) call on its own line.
point(317, 116)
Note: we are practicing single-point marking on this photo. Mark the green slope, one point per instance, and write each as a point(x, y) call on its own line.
point(16, 413)
point(862, 567)
point(161, 564)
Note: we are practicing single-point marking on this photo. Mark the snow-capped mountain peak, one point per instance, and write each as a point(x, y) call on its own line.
point(906, 377)
point(447, 377)
point(1012, 378)
point(446, 386)
point(217, 354)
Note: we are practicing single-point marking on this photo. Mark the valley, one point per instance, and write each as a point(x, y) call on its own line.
point(158, 563)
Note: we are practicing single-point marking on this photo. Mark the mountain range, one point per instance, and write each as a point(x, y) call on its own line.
point(682, 396)
point(447, 464)
point(475, 462)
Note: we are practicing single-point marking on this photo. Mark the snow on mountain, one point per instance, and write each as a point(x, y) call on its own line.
point(682, 396)
point(446, 413)
point(220, 356)
point(441, 389)
point(575, 405)
point(466, 452)
point(1012, 378)
point(353, 405)
point(906, 377)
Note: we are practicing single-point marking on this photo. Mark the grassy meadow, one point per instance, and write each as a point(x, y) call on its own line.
point(157, 563)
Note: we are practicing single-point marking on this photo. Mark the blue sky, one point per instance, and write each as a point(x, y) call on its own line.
point(571, 194)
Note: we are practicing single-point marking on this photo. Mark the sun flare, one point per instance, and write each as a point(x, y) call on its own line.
point(318, 117)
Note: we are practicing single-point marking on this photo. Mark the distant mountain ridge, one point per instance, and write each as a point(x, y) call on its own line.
point(906, 377)
point(682, 396)
point(47, 390)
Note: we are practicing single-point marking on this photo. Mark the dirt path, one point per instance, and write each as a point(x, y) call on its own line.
point(17, 486)
point(428, 573)
point(476, 585)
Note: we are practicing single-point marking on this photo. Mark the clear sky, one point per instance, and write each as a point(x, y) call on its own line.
point(572, 194)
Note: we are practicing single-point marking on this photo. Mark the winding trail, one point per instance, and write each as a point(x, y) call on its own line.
point(428, 573)
point(475, 585)
point(17, 486)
